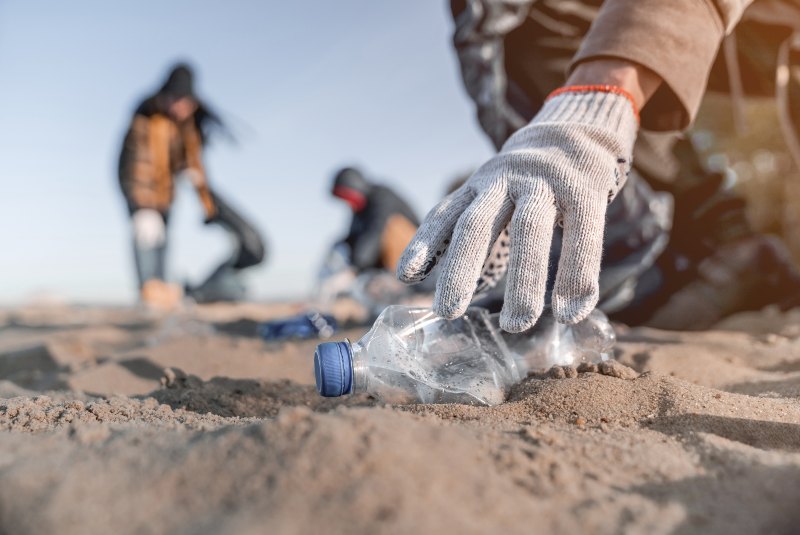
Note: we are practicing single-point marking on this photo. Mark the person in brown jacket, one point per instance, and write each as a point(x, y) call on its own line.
point(165, 138)
point(570, 92)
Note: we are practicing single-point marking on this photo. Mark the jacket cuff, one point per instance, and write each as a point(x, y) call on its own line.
point(678, 40)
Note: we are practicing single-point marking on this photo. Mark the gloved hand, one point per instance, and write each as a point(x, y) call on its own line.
point(149, 229)
point(564, 167)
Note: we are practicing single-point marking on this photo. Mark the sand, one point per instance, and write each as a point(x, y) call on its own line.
point(115, 420)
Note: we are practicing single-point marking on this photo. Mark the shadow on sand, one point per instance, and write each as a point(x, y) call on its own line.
point(229, 397)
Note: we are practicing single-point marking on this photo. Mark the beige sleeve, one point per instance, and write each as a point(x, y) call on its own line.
point(731, 11)
point(676, 39)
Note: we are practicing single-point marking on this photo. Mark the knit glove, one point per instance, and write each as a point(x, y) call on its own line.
point(563, 168)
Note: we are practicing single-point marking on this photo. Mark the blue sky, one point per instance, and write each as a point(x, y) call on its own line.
point(307, 86)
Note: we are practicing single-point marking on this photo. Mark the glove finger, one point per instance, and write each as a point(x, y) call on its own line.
point(473, 236)
point(496, 262)
point(432, 237)
point(576, 289)
point(530, 239)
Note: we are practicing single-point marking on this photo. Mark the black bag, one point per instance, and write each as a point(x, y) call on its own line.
point(224, 283)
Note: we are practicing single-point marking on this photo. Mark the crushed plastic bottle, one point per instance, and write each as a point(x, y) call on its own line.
point(550, 343)
point(413, 356)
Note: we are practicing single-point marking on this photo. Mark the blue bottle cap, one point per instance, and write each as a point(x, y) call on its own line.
point(333, 369)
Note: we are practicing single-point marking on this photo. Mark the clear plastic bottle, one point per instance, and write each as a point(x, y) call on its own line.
point(411, 355)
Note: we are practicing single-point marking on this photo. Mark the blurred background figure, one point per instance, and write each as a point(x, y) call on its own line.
point(382, 225)
point(357, 278)
point(165, 140)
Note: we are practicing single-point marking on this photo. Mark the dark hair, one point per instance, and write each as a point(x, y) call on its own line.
point(208, 123)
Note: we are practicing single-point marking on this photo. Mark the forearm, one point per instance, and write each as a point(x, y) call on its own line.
point(638, 81)
point(677, 40)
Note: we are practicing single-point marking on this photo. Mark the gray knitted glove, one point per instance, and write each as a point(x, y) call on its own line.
point(564, 167)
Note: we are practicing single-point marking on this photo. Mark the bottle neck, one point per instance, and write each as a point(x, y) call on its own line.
point(359, 366)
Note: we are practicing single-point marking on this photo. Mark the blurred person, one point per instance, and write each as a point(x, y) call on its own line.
point(382, 223)
point(569, 93)
point(165, 140)
point(356, 280)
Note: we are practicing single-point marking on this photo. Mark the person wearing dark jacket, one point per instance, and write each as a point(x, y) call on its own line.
point(581, 98)
point(382, 224)
point(165, 139)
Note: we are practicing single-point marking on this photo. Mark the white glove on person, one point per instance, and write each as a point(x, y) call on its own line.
point(564, 167)
point(149, 230)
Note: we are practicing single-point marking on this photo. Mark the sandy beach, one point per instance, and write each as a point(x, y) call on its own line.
point(115, 420)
